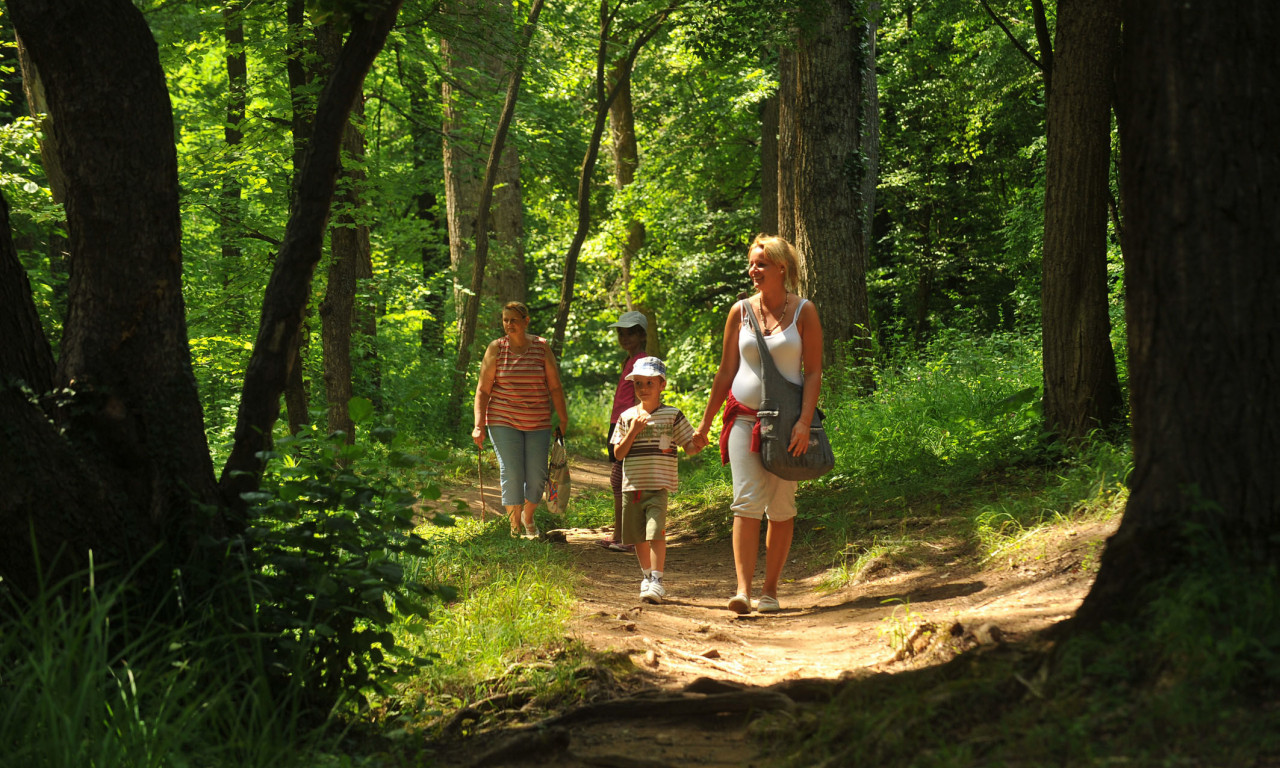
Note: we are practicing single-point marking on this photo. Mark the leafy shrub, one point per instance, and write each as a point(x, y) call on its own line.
point(330, 545)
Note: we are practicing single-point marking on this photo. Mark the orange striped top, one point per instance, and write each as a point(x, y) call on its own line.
point(520, 397)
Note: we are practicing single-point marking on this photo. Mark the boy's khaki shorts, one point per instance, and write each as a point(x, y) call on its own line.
point(644, 516)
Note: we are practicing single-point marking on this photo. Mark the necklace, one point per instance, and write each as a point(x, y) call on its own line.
point(777, 316)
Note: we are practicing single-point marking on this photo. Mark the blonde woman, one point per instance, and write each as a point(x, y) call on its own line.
point(519, 384)
point(793, 334)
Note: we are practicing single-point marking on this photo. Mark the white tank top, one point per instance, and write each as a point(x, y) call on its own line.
point(787, 351)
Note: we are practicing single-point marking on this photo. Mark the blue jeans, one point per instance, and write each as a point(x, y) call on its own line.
point(522, 463)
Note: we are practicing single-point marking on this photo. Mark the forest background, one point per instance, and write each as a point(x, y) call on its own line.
point(648, 143)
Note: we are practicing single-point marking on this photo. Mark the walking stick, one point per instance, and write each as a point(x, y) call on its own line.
point(480, 472)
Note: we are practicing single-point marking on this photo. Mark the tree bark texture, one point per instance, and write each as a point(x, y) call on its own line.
point(1081, 387)
point(769, 165)
point(1200, 184)
point(478, 63)
point(126, 463)
point(285, 302)
point(25, 355)
point(825, 107)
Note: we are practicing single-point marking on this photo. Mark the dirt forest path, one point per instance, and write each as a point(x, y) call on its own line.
point(691, 647)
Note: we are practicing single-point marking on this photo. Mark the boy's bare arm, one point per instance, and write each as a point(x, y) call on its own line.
point(691, 448)
point(623, 447)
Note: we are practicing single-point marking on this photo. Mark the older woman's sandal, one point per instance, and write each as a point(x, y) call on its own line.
point(740, 604)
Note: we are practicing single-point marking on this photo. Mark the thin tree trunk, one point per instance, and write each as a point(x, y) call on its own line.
point(285, 302)
point(604, 98)
point(1081, 387)
point(296, 397)
point(229, 218)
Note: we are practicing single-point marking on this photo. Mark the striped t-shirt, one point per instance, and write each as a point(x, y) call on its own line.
point(520, 397)
point(650, 465)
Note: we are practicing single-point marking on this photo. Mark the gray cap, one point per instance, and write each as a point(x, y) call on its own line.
point(648, 366)
point(630, 320)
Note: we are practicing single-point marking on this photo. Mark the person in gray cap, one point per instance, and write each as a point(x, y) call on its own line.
point(633, 336)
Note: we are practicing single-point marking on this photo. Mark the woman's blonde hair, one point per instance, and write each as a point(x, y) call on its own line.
point(779, 252)
point(516, 306)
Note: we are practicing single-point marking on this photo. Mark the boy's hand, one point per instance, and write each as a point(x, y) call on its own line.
point(642, 420)
point(694, 446)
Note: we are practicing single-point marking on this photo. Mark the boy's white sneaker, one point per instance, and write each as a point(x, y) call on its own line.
point(655, 591)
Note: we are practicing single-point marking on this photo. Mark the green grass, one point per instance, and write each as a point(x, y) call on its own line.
point(84, 686)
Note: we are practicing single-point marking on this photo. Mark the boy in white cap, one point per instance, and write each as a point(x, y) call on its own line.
point(646, 439)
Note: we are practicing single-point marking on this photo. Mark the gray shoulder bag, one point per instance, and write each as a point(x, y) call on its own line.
point(779, 412)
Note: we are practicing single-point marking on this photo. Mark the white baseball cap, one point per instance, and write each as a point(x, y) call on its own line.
point(648, 366)
point(630, 320)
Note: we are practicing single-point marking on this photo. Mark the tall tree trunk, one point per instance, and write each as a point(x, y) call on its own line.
point(130, 428)
point(474, 76)
point(434, 254)
point(827, 106)
point(350, 260)
point(769, 165)
point(787, 118)
point(1200, 184)
point(302, 112)
point(471, 306)
point(285, 302)
point(1081, 388)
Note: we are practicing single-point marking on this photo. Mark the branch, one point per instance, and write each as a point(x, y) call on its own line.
point(1037, 63)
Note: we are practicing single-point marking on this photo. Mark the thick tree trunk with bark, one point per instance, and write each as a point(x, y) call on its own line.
point(467, 322)
point(1200, 181)
point(1081, 387)
point(825, 110)
point(126, 464)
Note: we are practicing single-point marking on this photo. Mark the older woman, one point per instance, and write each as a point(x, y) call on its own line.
point(793, 334)
point(519, 383)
